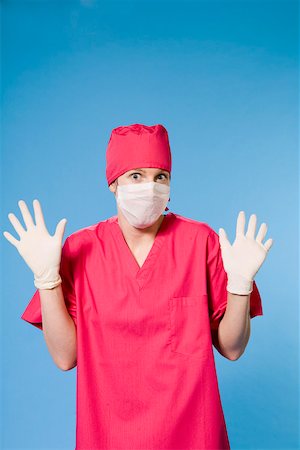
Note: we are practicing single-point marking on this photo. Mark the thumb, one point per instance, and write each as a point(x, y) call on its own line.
point(60, 229)
point(224, 242)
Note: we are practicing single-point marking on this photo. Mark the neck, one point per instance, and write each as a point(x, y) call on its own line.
point(136, 235)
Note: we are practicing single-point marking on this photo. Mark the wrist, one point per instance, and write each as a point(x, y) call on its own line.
point(238, 284)
point(47, 283)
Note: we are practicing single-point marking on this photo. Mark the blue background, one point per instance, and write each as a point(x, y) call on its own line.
point(222, 77)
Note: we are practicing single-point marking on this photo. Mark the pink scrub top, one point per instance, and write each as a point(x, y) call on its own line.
point(146, 375)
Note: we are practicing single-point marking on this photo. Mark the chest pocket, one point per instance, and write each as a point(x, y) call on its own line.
point(188, 334)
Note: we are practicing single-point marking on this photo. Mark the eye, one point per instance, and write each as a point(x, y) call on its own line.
point(135, 173)
point(163, 175)
point(138, 173)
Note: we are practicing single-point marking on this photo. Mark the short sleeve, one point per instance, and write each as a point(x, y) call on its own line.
point(32, 313)
point(217, 284)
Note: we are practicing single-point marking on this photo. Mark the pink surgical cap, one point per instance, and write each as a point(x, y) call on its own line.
point(137, 145)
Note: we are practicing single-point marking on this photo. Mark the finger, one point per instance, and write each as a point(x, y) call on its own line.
point(11, 239)
point(60, 229)
point(223, 239)
point(38, 213)
point(240, 223)
point(16, 224)
point(268, 244)
point(251, 227)
point(26, 214)
point(261, 232)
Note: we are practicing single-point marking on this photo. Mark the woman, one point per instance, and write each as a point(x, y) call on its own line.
point(137, 301)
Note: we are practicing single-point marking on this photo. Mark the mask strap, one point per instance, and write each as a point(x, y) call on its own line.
point(166, 208)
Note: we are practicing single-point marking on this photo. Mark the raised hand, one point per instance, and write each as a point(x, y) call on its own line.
point(245, 256)
point(40, 250)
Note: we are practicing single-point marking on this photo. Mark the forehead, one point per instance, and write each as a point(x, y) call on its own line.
point(149, 169)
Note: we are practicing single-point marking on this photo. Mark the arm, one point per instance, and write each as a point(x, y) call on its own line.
point(234, 328)
point(42, 253)
point(242, 261)
point(59, 328)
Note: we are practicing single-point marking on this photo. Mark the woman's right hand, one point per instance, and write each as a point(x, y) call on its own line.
point(40, 250)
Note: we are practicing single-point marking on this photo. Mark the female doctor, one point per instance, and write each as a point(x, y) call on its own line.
point(137, 301)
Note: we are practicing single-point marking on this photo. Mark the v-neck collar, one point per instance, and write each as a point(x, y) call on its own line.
point(140, 273)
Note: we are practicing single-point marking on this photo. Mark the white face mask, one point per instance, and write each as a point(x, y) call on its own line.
point(142, 203)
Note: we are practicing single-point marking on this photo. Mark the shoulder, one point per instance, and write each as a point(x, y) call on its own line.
point(201, 228)
point(88, 234)
point(203, 235)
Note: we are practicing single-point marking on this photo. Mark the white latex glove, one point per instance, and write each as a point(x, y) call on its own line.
point(40, 250)
point(244, 257)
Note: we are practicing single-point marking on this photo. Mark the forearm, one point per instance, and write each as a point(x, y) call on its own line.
point(234, 328)
point(58, 327)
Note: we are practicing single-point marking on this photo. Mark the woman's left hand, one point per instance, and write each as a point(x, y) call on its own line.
point(245, 256)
